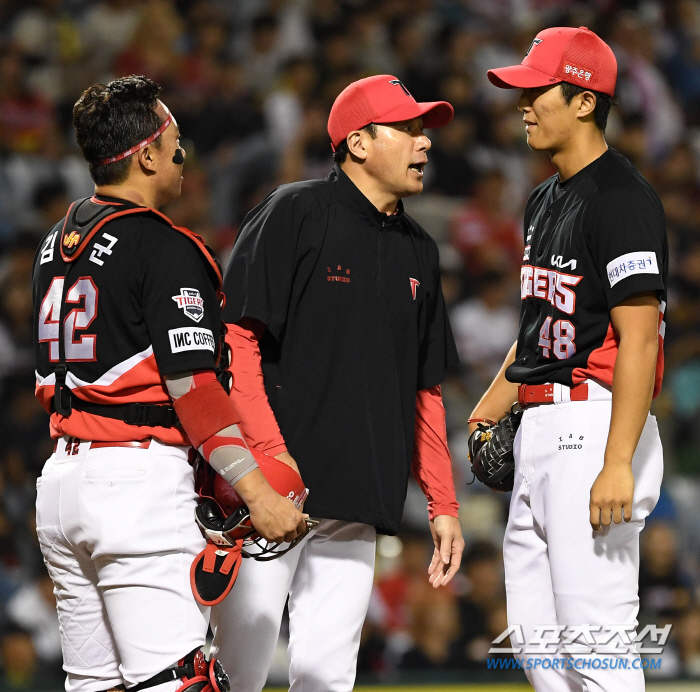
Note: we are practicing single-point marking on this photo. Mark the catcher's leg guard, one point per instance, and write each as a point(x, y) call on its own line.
point(195, 672)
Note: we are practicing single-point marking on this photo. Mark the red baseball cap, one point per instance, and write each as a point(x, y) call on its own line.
point(562, 54)
point(381, 99)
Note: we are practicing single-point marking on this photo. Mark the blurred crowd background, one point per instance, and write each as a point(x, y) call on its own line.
point(251, 83)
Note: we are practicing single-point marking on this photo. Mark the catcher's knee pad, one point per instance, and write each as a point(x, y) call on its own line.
point(194, 672)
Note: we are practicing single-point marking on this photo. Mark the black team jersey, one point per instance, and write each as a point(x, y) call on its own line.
point(590, 243)
point(356, 325)
point(142, 303)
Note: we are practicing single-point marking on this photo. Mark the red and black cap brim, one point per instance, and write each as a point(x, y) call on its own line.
point(520, 77)
point(434, 114)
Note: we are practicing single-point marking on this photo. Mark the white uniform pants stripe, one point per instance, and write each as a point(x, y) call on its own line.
point(328, 578)
point(558, 571)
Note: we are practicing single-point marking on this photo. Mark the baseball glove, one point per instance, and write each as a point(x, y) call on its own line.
point(491, 452)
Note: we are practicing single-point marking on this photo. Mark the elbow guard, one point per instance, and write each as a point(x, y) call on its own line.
point(211, 422)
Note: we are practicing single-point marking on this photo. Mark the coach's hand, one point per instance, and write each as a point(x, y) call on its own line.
point(274, 517)
point(449, 546)
point(287, 458)
point(612, 494)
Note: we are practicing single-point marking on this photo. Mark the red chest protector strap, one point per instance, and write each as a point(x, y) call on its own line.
point(84, 219)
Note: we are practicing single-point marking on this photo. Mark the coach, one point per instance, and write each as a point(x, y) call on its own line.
point(340, 340)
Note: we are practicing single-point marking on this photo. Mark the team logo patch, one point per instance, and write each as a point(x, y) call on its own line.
point(631, 264)
point(535, 42)
point(71, 240)
point(191, 302)
point(191, 339)
point(399, 83)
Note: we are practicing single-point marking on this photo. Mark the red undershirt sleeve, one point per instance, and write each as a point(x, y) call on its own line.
point(258, 422)
point(432, 464)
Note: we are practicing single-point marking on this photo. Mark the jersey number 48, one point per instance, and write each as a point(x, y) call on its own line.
point(83, 293)
point(564, 334)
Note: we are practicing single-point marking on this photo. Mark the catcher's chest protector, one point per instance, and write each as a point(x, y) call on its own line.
point(84, 220)
point(87, 216)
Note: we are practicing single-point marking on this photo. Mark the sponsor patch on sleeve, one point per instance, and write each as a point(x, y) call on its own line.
point(191, 339)
point(631, 264)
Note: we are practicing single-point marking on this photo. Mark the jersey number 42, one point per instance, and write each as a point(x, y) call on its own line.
point(83, 293)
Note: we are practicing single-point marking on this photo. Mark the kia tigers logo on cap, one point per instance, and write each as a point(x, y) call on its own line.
point(398, 82)
point(535, 42)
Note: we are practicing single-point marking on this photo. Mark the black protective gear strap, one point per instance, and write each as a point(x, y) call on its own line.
point(61, 392)
point(168, 675)
point(151, 415)
point(196, 673)
point(62, 396)
point(223, 374)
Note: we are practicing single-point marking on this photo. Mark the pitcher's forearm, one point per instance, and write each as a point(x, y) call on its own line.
point(499, 397)
point(636, 325)
point(633, 386)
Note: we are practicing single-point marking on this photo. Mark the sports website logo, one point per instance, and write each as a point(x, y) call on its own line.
point(191, 303)
point(606, 663)
point(582, 639)
point(580, 647)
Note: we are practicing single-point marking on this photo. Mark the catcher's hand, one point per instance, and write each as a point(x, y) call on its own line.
point(491, 452)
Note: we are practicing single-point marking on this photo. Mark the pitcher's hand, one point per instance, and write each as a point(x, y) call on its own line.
point(611, 495)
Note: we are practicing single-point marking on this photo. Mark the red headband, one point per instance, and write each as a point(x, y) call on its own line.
point(140, 145)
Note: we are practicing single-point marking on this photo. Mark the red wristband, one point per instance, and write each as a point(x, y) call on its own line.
point(481, 420)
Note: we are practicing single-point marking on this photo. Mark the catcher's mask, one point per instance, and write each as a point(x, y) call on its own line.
point(224, 518)
point(225, 522)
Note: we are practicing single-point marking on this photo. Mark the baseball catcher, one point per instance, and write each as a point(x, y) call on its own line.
point(127, 315)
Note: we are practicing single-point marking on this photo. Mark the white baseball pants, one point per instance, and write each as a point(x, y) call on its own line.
point(328, 579)
point(117, 531)
point(558, 570)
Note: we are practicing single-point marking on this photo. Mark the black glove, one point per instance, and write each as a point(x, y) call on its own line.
point(491, 452)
